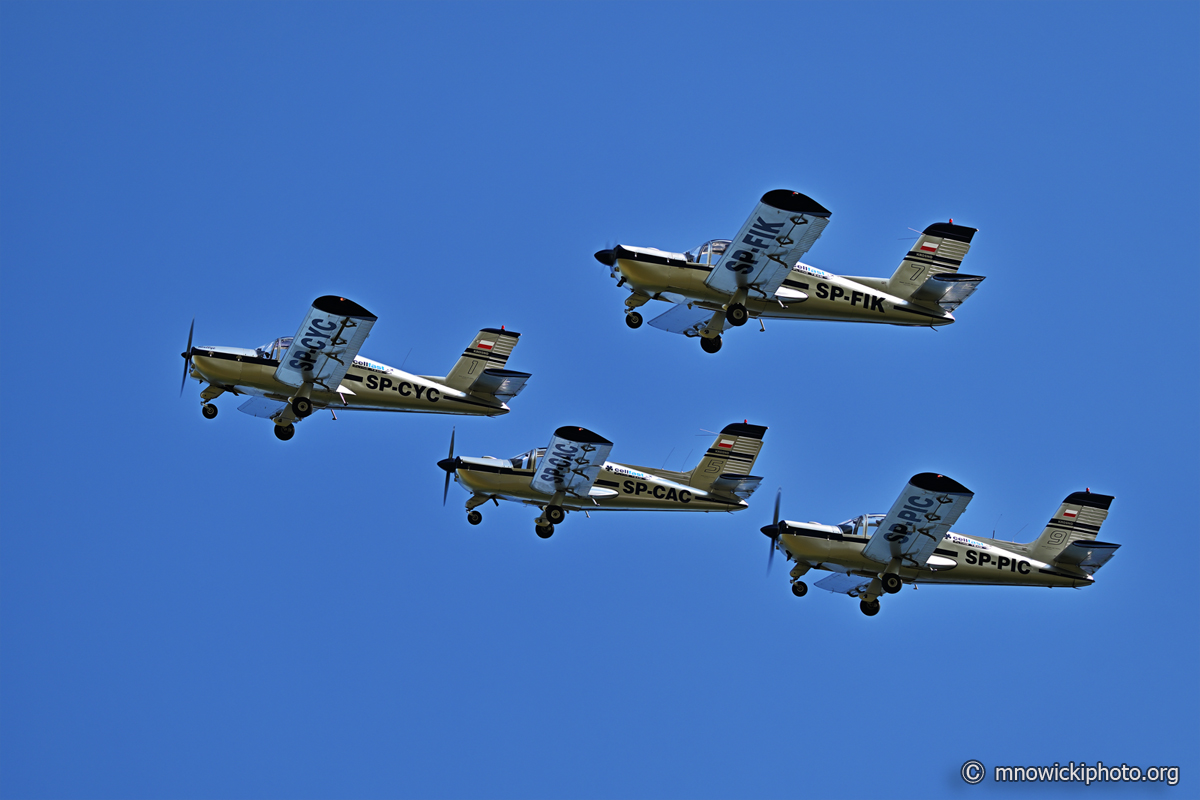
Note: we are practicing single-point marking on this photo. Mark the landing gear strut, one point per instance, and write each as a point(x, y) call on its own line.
point(474, 517)
point(285, 432)
point(633, 319)
point(710, 344)
point(209, 411)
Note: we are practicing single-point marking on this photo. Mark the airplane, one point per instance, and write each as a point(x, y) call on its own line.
point(320, 367)
point(573, 473)
point(758, 275)
point(912, 543)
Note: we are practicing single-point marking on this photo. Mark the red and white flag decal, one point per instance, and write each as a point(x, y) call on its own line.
point(929, 247)
point(1071, 514)
point(485, 345)
point(726, 443)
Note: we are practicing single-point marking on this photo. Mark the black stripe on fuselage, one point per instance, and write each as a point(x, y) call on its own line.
point(941, 552)
point(266, 362)
point(914, 311)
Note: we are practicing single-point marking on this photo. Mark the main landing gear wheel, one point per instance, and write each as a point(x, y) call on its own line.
point(736, 315)
point(209, 411)
point(555, 514)
point(474, 517)
point(710, 345)
point(891, 583)
point(302, 407)
point(544, 531)
point(285, 432)
point(799, 588)
point(870, 609)
point(633, 319)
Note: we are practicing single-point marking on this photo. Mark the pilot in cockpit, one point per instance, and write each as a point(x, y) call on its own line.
point(275, 349)
point(708, 253)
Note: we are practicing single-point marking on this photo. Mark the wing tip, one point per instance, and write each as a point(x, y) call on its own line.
point(787, 200)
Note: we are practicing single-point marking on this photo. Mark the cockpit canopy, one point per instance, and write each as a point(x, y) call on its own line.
point(708, 253)
point(528, 459)
point(861, 526)
point(274, 349)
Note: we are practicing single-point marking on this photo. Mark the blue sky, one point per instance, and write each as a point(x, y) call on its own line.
point(195, 609)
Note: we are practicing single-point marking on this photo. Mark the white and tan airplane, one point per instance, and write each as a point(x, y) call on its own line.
point(758, 275)
point(912, 543)
point(320, 367)
point(573, 473)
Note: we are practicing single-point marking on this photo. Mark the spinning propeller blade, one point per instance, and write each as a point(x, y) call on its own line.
point(187, 357)
point(775, 534)
point(449, 467)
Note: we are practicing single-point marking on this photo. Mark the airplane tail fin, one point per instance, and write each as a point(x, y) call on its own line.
point(929, 272)
point(1077, 520)
point(727, 464)
point(480, 369)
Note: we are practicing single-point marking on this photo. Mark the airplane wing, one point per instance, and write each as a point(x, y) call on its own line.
point(262, 407)
point(326, 344)
point(840, 583)
point(681, 319)
point(778, 233)
point(919, 519)
point(571, 463)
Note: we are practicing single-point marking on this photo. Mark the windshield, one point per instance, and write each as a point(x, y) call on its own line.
point(274, 349)
point(528, 459)
point(860, 526)
point(708, 253)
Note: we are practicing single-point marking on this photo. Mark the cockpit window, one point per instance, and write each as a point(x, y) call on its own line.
point(861, 526)
point(528, 459)
point(708, 253)
point(275, 349)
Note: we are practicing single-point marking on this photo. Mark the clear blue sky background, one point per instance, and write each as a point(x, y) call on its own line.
point(195, 609)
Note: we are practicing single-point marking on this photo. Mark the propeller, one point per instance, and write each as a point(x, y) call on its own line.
point(607, 257)
point(773, 530)
point(187, 357)
point(449, 464)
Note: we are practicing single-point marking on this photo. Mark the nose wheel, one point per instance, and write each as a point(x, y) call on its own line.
point(474, 517)
point(544, 531)
point(799, 588)
point(869, 607)
point(209, 411)
point(633, 319)
point(710, 345)
point(285, 432)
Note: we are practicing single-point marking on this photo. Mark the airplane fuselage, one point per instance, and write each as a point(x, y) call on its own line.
point(957, 559)
point(807, 293)
point(368, 385)
point(619, 487)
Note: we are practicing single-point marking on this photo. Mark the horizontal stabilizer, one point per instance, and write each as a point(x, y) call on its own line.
point(740, 486)
point(947, 289)
point(838, 583)
point(503, 384)
point(262, 407)
point(681, 319)
point(1088, 556)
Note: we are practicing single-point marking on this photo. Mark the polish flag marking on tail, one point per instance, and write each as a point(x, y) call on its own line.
point(726, 443)
point(486, 345)
point(1071, 514)
point(929, 247)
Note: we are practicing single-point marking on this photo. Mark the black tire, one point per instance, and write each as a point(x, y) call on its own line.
point(737, 315)
point(710, 345)
point(870, 609)
point(799, 588)
point(474, 517)
point(891, 583)
point(555, 514)
point(302, 407)
point(633, 319)
point(285, 432)
point(544, 531)
point(209, 411)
